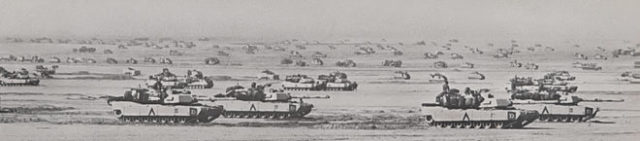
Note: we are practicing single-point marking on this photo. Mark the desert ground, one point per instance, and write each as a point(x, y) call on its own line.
point(71, 107)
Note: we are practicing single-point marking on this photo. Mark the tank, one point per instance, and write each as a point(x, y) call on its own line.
point(555, 103)
point(300, 83)
point(20, 78)
point(587, 66)
point(476, 76)
point(131, 71)
point(268, 75)
point(560, 76)
point(46, 72)
point(401, 75)
point(262, 101)
point(162, 106)
point(166, 79)
point(336, 81)
point(472, 110)
point(566, 109)
point(632, 77)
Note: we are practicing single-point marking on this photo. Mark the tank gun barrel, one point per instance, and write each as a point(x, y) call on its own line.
point(525, 102)
point(602, 100)
point(212, 99)
point(430, 104)
point(311, 97)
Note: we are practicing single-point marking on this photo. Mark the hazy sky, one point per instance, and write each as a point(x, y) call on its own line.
point(323, 19)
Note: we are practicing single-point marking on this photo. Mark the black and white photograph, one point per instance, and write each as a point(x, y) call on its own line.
point(319, 70)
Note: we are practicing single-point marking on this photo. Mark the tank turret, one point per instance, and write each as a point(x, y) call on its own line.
point(193, 80)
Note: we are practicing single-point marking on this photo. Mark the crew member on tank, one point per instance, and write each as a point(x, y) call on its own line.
point(166, 73)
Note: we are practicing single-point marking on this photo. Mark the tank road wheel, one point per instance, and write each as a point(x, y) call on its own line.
point(551, 119)
point(560, 119)
point(281, 116)
point(492, 125)
point(579, 119)
point(163, 120)
point(473, 124)
point(455, 125)
point(540, 118)
point(444, 125)
point(499, 125)
point(434, 124)
point(566, 119)
point(451, 125)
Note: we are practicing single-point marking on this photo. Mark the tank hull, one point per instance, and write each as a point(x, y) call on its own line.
point(192, 84)
point(299, 86)
point(19, 82)
point(562, 113)
point(319, 87)
point(259, 109)
point(156, 113)
point(478, 118)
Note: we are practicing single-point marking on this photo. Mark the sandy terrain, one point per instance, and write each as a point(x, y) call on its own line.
point(381, 108)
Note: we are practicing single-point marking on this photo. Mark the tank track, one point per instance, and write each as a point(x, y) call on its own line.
point(301, 112)
point(325, 89)
point(197, 87)
point(260, 114)
point(18, 84)
point(162, 119)
point(565, 118)
point(298, 89)
point(473, 124)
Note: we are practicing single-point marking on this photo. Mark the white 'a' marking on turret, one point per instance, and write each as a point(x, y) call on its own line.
point(151, 111)
point(253, 108)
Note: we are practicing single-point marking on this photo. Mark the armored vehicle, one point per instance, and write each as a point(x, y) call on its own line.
point(300, 82)
point(401, 75)
point(262, 101)
point(18, 78)
point(268, 75)
point(336, 81)
point(556, 103)
point(472, 110)
point(166, 79)
point(162, 106)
